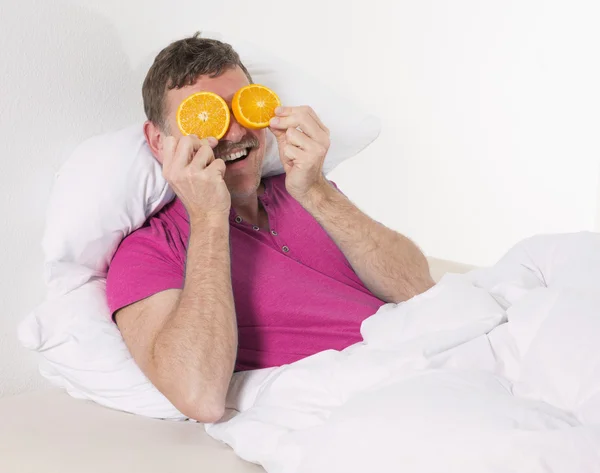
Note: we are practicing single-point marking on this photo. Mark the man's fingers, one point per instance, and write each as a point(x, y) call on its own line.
point(304, 121)
point(293, 153)
point(288, 111)
point(178, 153)
point(186, 148)
point(304, 142)
point(284, 111)
point(217, 166)
point(205, 154)
point(212, 141)
point(313, 114)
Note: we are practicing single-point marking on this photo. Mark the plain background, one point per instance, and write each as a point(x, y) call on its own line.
point(490, 114)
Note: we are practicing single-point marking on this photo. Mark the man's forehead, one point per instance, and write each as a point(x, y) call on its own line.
point(224, 85)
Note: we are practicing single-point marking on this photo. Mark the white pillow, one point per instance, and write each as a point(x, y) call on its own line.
point(109, 186)
point(351, 128)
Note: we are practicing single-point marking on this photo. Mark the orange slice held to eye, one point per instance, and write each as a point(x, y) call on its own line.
point(203, 114)
point(254, 106)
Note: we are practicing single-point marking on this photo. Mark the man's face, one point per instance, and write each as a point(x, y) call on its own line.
point(242, 176)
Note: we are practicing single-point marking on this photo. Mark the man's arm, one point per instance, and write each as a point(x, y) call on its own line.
point(389, 264)
point(185, 341)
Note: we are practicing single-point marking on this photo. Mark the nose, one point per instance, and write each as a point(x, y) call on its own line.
point(235, 132)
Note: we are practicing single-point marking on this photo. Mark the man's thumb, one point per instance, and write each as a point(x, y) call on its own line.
point(279, 134)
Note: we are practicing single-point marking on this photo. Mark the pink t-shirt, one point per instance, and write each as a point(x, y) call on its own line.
point(295, 293)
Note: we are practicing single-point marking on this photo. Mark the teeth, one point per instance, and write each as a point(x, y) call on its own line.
point(232, 156)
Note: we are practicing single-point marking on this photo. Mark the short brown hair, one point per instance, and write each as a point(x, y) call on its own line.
point(180, 64)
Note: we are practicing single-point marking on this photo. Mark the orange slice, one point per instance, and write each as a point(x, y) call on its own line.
point(203, 114)
point(254, 105)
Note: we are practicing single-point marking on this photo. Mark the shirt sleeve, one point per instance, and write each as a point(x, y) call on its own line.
point(147, 262)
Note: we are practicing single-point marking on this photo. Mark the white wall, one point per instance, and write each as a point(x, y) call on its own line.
point(490, 113)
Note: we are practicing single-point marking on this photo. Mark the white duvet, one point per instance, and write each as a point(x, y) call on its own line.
point(494, 371)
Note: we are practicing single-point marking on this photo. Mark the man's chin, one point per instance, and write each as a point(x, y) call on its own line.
point(243, 177)
point(242, 186)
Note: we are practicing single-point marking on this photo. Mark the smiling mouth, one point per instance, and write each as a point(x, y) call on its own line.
point(234, 156)
point(231, 152)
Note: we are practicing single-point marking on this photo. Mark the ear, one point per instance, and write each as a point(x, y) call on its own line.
point(154, 138)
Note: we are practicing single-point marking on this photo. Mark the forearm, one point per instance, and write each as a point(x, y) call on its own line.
point(389, 264)
point(196, 349)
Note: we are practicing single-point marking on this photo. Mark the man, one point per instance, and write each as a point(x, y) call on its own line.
point(238, 272)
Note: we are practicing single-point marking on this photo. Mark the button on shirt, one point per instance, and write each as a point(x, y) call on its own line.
point(295, 292)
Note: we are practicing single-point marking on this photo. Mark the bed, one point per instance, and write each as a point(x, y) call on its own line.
point(50, 431)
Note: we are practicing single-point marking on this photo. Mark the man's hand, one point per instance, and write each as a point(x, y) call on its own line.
point(303, 143)
point(190, 167)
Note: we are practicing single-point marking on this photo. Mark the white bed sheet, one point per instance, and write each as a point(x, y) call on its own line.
point(49, 431)
point(496, 371)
